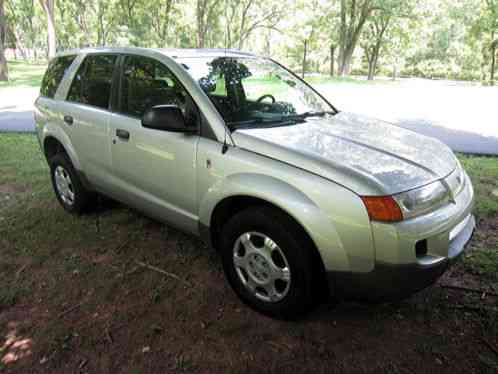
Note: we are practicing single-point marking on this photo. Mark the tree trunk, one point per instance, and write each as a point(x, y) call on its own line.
point(332, 60)
point(200, 12)
point(4, 71)
point(493, 64)
point(345, 63)
point(342, 36)
point(371, 70)
point(304, 57)
point(166, 16)
point(48, 6)
point(493, 59)
point(372, 63)
point(347, 57)
point(350, 32)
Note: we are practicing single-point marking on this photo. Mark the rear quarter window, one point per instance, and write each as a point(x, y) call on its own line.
point(54, 74)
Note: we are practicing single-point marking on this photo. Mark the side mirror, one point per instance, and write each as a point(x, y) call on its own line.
point(166, 118)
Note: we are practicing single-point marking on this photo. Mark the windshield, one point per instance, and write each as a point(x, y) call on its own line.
point(251, 92)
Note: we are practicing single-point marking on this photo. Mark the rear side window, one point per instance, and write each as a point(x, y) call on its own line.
point(92, 83)
point(54, 74)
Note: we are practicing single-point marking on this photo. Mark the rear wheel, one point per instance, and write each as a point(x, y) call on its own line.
point(269, 262)
point(70, 192)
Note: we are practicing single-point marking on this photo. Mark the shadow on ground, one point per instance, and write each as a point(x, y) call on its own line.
point(16, 121)
point(457, 140)
point(74, 289)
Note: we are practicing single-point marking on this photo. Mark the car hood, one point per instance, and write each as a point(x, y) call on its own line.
point(368, 156)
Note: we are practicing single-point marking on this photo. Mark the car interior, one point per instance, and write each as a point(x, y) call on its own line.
point(232, 101)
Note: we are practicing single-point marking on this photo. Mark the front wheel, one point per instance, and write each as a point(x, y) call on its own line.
point(268, 262)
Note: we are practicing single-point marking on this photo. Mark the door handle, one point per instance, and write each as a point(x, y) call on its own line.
point(122, 134)
point(69, 120)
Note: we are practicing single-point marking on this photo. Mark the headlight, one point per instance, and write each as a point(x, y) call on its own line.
point(422, 200)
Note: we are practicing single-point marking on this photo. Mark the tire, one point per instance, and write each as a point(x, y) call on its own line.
point(244, 240)
point(69, 190)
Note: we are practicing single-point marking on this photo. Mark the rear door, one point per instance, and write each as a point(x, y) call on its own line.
point(154, 170)
point(46, 104)
point(86, 115)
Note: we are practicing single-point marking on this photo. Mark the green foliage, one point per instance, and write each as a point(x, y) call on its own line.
point(433, 38)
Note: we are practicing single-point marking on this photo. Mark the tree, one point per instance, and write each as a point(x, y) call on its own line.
point(332, 59)
point(105, 21)
point(353, 15)
point(375, 36)
point(49, 6)
point(244, 17)
point(386, 15)
point(206, 14)
point(494, 44)
point(4, 71)
point(483, 35)
point(491, 19)
point(161, 20)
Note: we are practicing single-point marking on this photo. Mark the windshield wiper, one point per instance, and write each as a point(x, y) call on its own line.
point(309, 114)
point(282, 121)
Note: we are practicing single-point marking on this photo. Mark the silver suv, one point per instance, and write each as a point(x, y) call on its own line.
point(297, 197)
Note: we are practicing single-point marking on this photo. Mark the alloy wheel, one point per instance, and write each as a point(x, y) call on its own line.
point(64, 185)
point(262, 266)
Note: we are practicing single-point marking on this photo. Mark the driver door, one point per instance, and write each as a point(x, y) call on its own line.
point(153, 170)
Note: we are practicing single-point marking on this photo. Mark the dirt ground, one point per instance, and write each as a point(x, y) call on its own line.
point(83, 303)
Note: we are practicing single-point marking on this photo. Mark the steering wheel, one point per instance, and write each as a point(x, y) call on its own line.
point(266, 96)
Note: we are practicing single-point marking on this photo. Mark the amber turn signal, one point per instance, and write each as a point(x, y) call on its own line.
point(382, 208)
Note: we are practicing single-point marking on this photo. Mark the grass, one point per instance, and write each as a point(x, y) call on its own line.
point(484, 263)
point(24, 74)
point(79, 293)
point(484, 174)
point(22, 161)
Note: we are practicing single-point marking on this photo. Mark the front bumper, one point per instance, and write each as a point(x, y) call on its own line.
point(399, 268)
point(390, 282)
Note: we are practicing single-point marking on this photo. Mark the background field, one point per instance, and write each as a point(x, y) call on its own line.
point(74, 297)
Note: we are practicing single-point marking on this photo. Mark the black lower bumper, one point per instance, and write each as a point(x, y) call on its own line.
point(386, 282)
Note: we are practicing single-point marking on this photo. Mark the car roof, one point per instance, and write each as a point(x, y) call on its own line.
point(170, 52)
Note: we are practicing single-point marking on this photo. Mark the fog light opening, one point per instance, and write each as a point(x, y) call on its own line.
point(421, 248)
